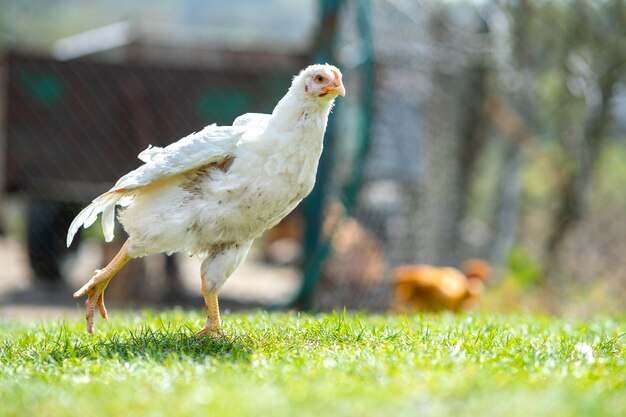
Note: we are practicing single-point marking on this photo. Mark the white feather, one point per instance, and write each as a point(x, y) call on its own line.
point(108, 222)
point(87, 216)
point(253, 120)
point(212, 144)
point(149, 153)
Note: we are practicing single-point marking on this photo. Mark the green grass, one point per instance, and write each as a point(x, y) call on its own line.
point(304, 365)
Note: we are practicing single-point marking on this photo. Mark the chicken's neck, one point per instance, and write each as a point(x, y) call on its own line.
point(295, 105)
point(297, 124)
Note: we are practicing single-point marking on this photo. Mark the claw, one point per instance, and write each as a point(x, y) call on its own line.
point(101, 307)
point(89, 315)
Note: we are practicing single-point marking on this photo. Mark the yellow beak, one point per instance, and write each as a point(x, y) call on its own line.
point(336, 87)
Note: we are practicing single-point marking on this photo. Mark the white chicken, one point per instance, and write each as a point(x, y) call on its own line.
point(213, 192)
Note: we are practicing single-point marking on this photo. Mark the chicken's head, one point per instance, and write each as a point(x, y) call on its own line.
point(321, 81)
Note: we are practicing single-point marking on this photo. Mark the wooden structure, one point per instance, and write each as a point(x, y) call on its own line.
point(74, 127)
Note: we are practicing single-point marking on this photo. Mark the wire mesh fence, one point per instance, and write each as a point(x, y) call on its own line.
point(489, 142)
point(494, 131)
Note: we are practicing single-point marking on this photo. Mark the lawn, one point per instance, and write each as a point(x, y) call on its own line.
point(289, 364)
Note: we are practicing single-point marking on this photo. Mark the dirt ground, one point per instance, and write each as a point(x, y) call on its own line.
point(254, 284)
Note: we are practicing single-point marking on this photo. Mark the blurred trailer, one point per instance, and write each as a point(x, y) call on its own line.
point(74, 127)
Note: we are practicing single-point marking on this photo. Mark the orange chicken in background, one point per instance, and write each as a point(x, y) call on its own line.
point(431, 288)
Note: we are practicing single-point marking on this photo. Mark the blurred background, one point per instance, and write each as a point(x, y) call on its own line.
point(485, 129)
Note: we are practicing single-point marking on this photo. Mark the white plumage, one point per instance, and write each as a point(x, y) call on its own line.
point(213, 192)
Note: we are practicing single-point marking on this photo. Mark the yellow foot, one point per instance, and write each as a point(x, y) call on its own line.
point(213, 332)
point(94, 289)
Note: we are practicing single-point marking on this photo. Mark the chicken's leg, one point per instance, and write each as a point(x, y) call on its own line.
point(213, 326)
point(94, 288)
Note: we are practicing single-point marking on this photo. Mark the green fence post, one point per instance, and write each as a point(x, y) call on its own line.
point(316, 250)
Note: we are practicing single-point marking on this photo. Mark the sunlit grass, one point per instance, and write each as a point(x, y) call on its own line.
point(304, 365)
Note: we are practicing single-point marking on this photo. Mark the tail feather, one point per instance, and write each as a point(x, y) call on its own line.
point(108, 222)
point(104, 204)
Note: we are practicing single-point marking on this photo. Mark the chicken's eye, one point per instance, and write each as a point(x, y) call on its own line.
point(319, 79)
